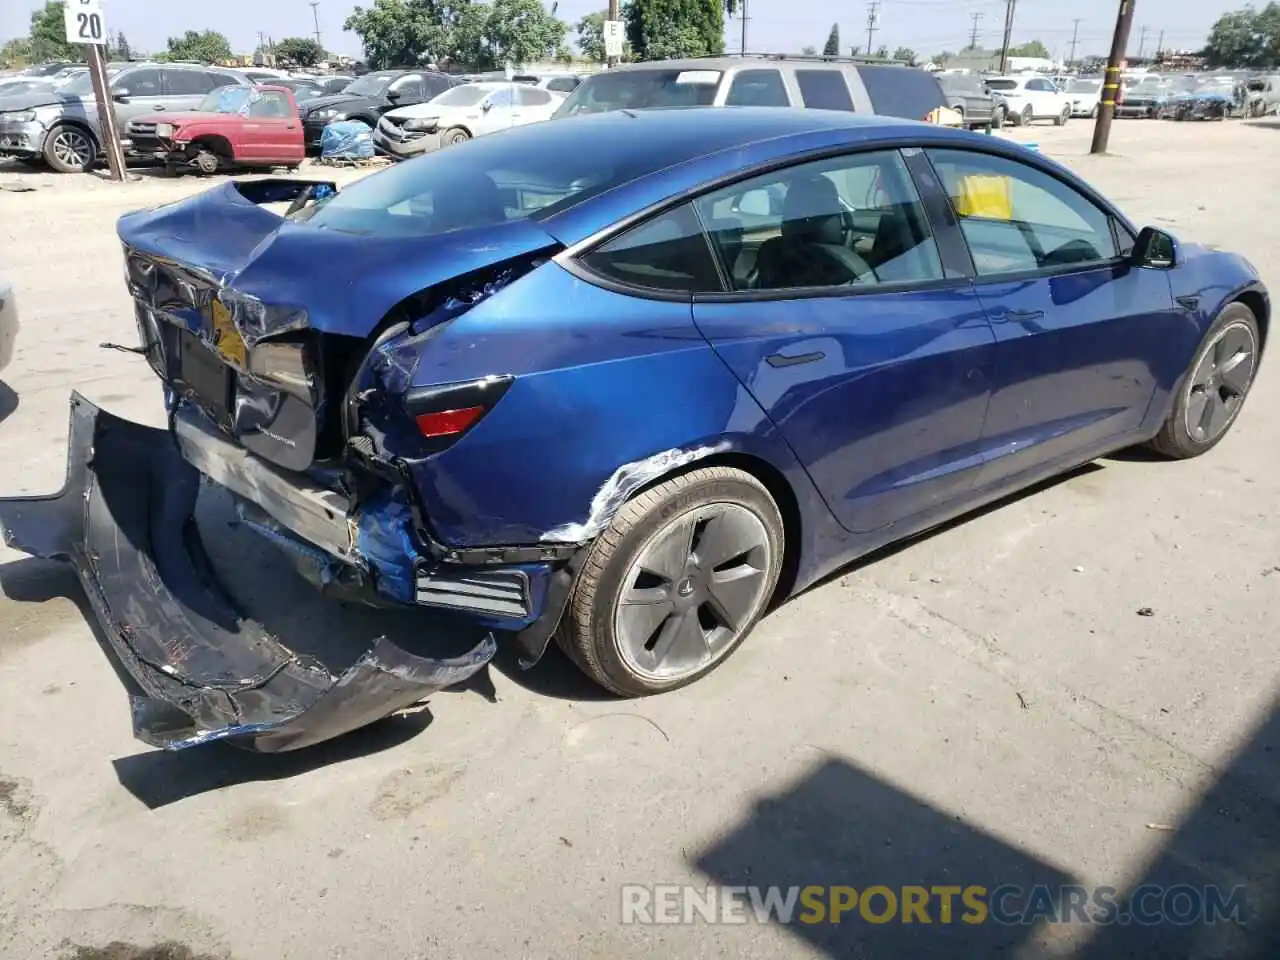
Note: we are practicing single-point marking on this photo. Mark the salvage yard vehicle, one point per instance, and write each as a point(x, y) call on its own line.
point(967, 95)
point(624, 379)
point(1031, 98)
point(369, 97)
point(460, 114)
point(1145, 98)
point(62, 127)
point(235, 127)
point(1210, 98)
point(766, 80)
point(1085, 95)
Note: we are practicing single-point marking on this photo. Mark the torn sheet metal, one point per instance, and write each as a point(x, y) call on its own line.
point(203, 672)
point(622, 483)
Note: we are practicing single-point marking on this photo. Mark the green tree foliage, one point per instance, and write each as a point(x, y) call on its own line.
point(16, 53)
point(120, 49)
point(832, 49)
point(663, 29)
point(591, 35)
point(1032, 49)
point(1246, 38)
point(49, 34)
point(808, 51)
point(398, 33)
point(906, 55)
point(303, 51)
point(206, 46)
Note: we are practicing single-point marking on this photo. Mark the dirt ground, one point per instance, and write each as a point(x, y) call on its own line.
point(985, 706)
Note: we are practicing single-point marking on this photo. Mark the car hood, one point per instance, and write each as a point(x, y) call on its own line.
point(38, 98)
point(228, 239)
point(343, 101)
point(416, 111)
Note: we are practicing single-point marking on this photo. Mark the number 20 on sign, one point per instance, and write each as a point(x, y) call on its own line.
point(85, 23)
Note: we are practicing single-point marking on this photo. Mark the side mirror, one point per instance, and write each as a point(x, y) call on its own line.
point(394, 95)
point(1155, 249)
point(120, 95)
point(487, 106)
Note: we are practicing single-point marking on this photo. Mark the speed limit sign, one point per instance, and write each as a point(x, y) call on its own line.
point(85, 23)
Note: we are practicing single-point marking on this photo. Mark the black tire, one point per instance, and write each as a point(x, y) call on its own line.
point(588, 634)
point(997, 118)
point(1175, 439)
point(1093, 114)
point(454, 136)
point(70, 149)
point(1061, 119)
point(1028, 117)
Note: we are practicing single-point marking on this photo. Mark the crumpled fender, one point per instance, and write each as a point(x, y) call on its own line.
point(123, 520)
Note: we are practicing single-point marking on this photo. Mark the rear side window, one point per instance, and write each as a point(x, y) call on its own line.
point(533, 97)
point(824, 89)
point(187, 83)
point(758, 88)
point(668, 253)
point(902, 91)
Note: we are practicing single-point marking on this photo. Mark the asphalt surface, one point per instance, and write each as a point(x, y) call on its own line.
point(985, 706)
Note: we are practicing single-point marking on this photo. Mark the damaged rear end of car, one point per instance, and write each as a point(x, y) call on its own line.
point(287, 354)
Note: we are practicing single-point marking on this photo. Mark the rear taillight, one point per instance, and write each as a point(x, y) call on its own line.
point(447, 423)
point(443, 413)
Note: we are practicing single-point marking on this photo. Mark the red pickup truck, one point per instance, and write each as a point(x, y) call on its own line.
point(234, 127)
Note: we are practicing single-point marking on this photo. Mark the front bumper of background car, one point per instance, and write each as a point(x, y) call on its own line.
point(200, 670)
point(21, 138)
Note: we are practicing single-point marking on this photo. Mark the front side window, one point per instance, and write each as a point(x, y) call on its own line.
point(758, 88)
point(501, 99)
point(642, 89)
point(269, 104)
point(1017, 218)
point(667, 253)
point(845, 221)
point(409, 88)
point(533, 97)
point(141, 83)
point(824, 89)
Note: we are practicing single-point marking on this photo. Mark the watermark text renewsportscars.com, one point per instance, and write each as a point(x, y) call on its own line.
point(1181, 904)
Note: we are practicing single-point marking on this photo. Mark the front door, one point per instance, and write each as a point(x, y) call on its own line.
point(1074, 320)
point(271, 128)
point(143, 91)
point(871, 357)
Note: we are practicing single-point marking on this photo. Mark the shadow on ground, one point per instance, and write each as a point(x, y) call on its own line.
point(843, 826)
point(8, 401)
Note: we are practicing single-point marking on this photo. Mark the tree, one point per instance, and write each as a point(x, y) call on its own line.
point(303, 51)
point(882, 53)
point(832, 49)
point(207, 46)
point(1246, 38)
point(522, 31)
point(49, 34)
point(1033, 48)
point(906, 55)
point(16, 53)
point(808, 51)
point(591, 35)
point(665, 29)
point(120, 50)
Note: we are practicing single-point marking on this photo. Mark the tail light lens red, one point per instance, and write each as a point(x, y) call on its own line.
point(443, 413)
point(447, 423)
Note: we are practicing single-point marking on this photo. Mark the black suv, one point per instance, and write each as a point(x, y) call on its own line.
point(369, 97)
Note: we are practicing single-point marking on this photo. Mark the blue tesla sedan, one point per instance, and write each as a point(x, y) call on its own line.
point(624, 380)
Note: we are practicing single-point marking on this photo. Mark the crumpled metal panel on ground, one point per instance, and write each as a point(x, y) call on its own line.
point(203, 671)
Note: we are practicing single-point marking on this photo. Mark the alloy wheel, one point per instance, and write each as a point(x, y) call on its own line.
point(73, 148)
point(1220, 382)
point(696, 585)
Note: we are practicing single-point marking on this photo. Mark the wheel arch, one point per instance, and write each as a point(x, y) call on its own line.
point(215, 143)
point(1261, 307)
point(80, 125)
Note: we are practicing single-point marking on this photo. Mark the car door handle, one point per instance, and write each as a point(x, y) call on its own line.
point(782, 360)
point(159, 109)
point(1017, 316)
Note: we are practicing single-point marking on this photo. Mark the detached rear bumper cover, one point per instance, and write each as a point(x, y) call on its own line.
point(124, 522)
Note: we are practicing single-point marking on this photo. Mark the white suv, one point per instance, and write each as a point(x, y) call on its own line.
point(1032, 98)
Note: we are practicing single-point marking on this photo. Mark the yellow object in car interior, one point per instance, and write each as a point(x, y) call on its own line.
point(984, 195)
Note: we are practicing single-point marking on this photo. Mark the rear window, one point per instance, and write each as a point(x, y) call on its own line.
point(824, 89)
point(641, 90)
point(960, 83)
point(901, 91)
point(1002, 84)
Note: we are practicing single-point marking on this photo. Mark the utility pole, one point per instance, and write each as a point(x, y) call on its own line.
point(872, 22)
point(1075, 39)
point(315, 16)
point(973, 34)
point(106, 112)
point(1111, 83)
point(745, 18)
point(1009, 7)
point(1160, 47)
point(614, 14)
point(1142, 42)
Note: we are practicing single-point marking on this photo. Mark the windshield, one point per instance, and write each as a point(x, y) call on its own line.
point(1084, 86)
point(370, 85)
point(1002, 84)
point(641, 89)
point(80, 86)
point(464, 96)
point(225, 100)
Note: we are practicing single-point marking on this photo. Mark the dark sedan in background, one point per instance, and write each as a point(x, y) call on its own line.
point(369, 97)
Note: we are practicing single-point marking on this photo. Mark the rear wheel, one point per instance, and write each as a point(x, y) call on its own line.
point(453, 136)
point(1213, 391)
point(675, 583)
point(1028, 116)
point(70, 149)
point(997, 118)
point(1062, 118)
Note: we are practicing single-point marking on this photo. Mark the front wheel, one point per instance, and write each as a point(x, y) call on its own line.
point(1214, 388)
point(70, 149)
point(1028, 116)
point(997, 118)
point(675, 583)
point(454, 136)
point(1062, 118)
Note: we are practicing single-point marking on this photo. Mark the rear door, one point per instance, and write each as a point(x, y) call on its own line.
point(855, 332)
point(901, 91)
point(496, 112)
point(1077, 326)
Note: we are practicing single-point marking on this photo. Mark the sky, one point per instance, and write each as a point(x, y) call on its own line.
point(777, 26)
